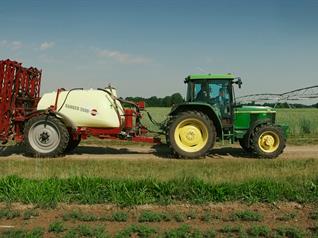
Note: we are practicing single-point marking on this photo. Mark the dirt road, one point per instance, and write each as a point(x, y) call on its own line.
point(161, 151)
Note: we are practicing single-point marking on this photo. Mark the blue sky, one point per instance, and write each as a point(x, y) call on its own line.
point(146, 48)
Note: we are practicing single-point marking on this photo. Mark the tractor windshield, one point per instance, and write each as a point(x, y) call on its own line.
point(214, 92)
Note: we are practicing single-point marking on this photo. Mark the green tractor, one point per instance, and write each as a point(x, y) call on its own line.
point(210, 114)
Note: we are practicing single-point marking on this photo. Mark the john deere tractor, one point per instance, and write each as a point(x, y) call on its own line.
point(210, 114)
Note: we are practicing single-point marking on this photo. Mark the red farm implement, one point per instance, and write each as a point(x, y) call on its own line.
point(19, 95)
point(55, 123)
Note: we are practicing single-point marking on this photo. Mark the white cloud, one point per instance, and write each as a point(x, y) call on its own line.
point(16, 45)
point(13, 45)
point(47, 45)
point(3, 43)
point(123, 57)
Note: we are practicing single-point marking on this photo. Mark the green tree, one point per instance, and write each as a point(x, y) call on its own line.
point(176, 98)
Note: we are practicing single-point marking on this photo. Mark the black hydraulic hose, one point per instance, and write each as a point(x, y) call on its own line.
point(152, 120)
point(73, 89)
point(115, 104)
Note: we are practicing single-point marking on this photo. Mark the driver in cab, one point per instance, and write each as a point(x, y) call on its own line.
point(204, 93)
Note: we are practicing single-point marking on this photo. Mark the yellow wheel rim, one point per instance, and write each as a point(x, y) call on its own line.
point(268, 141)
point(191, 135)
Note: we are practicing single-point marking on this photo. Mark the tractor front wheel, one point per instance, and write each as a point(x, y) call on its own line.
point(45, 136)
point(191, 134)
point(268, 141)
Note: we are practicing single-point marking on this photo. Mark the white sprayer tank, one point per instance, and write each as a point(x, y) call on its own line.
point(87, 108)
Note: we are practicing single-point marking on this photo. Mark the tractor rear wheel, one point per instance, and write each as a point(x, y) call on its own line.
point(191, 134)
point(268, 141)
point(45, 136)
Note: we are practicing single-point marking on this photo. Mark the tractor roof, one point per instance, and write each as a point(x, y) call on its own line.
point(210, 76)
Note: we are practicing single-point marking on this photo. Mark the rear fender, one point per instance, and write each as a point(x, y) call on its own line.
point(204, 108)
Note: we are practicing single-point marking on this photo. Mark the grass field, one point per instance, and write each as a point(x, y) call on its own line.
point(303, 124)
point(128, 192)
point(252, 197)
point(209, 170)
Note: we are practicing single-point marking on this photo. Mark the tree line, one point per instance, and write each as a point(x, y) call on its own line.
point(154, 101)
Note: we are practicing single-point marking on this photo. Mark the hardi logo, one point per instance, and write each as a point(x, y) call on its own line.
point(93, 112)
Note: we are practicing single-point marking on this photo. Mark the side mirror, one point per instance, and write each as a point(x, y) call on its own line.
point(238, 82)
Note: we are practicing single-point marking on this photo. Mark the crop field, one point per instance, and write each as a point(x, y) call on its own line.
point(119, 189)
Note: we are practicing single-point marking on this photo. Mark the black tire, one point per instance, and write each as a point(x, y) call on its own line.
point(268, 141)
point(3, 149)
point(45, 136)
point(201, 127)
point(72, 144)
point(244, 144)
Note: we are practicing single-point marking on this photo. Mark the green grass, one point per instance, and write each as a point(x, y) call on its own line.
point(37, 232)
point(246, 216)
point(178, 217)
point(232, 229)
point(259, 231)
point(76, 215)
point(136, 231)
point(206, 217)
point(291, 232)
point(119, 216)
point(149, 216)
point(56, 227)
point(218, 171)
point(183, 231)
point(9, 214)
point(287, 216)
point(314, 230)
point(303, 123)
point(86, 231)
point(30, 213)
point(191, 215)
point(314, 215)
point(80, 216)
point(83, 190)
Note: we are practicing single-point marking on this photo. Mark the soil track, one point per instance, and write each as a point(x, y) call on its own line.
point(146, 152)
point(272, 215)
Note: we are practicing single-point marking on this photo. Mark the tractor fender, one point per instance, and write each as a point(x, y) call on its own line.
point(204, 108)
point(254, 125)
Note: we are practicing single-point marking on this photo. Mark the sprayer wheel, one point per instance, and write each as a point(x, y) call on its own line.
point(45, 136)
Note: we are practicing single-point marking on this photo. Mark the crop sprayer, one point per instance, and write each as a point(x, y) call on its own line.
point(54, 124)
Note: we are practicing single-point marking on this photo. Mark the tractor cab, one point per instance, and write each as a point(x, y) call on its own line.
point(215, 90)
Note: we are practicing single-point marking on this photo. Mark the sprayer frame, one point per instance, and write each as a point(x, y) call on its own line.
point(20, 95)
point(133, 130)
